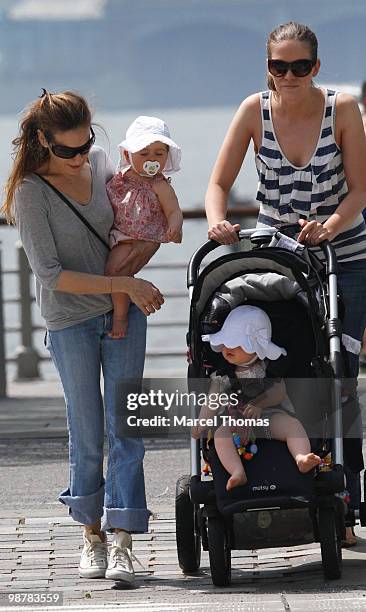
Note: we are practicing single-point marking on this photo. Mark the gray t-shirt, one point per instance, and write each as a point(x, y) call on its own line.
point(54, 239)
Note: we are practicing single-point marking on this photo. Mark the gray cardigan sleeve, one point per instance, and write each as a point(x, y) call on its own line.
point(32, 219)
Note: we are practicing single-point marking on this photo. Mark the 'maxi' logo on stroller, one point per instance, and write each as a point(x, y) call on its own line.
point(271, 487)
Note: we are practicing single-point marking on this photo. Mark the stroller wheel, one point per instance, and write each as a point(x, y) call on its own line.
point(219, 552)
point(187, 528)
point(330, 543)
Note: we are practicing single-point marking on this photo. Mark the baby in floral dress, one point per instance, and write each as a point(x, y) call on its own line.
point(144, 202)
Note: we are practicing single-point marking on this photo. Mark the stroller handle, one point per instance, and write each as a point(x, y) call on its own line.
point(289, 229)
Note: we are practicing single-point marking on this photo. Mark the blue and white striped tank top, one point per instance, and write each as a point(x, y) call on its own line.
point(287, 192)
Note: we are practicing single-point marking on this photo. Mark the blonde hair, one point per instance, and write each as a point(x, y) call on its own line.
point(291, 31)
point(50, 113)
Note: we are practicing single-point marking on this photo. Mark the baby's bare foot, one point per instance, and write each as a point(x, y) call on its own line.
point(305, 463)
point(236, 480)
point(119, 328)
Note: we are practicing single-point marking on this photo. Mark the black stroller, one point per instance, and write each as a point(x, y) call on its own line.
point(278, 506)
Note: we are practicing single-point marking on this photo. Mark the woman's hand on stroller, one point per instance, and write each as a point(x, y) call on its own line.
point(313, 232)
point(224, 233)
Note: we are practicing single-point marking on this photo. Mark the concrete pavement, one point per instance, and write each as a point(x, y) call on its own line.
point(39, 553)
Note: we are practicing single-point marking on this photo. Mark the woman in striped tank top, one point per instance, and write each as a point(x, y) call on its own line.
point(310, 152)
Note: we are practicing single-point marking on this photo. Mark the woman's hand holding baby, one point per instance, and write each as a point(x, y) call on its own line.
point(144, 294)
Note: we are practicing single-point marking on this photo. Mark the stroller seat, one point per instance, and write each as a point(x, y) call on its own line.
point(272, 472)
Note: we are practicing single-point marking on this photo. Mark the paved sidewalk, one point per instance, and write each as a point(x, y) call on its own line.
point(41, 553)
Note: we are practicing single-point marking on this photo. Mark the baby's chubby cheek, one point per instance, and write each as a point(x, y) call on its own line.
point(236, 355)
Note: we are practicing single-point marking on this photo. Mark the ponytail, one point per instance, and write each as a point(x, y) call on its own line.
point(50, 113)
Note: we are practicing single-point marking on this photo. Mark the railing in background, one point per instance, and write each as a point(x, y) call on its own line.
point(27, 358)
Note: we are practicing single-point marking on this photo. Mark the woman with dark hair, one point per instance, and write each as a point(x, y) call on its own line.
point(310, 153)
point(55, 149)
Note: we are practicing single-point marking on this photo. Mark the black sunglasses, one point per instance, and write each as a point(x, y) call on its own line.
point(70, 152)
point(299, 68)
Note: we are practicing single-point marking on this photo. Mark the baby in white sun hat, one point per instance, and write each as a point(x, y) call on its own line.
point(263, 409)
point(144, 203)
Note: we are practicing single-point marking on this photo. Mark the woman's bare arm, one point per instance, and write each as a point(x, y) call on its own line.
point(351, 139)
point(353, 146)
point(143, 293)
point(227, 167)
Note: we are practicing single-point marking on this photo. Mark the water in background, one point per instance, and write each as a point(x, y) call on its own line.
point(199, 132)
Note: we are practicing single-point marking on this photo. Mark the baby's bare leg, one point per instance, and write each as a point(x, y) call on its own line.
point(289, 430)
point(121, 301)
point(229, 457)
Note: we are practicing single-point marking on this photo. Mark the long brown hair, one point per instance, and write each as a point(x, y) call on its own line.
point(291, 31)
point(50, 113)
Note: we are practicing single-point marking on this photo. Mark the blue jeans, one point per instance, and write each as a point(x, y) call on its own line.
point(79, 353)
point(352, 281)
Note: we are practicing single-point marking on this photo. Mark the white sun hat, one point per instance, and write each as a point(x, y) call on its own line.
point(143, 132)
point(248, 327)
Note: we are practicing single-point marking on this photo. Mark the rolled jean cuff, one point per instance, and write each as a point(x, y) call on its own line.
point(85, 509)
point(134, 520)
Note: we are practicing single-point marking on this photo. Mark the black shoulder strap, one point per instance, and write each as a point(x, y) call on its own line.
point(75, 210)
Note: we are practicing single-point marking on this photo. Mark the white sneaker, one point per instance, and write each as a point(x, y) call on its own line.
point(120, 561)
point(93, 562)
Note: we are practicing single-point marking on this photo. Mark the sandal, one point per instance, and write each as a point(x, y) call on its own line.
point(350, 540)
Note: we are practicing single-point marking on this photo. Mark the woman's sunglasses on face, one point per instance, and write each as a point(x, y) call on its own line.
point(69, 152)
point(299, 68)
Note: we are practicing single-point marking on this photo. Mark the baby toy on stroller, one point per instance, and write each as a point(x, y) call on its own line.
point(276, 503)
